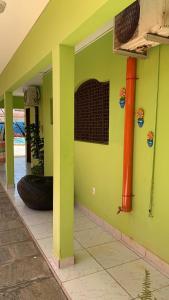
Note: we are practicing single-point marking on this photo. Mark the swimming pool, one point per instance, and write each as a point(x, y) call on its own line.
point(19, 141)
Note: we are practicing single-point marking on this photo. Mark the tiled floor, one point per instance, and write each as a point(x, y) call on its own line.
point(24, 274)
point(19, 150)
point(105, 269)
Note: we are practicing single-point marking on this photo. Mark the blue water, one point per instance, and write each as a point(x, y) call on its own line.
point(19, 141)
point(18, 127)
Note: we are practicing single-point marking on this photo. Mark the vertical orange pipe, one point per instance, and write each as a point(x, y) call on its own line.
point(129, 135)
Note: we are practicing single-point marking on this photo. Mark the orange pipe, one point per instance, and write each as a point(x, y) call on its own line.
point(129, 135)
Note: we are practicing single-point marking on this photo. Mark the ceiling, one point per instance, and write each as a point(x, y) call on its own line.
point(15, 23)
point(35, 81)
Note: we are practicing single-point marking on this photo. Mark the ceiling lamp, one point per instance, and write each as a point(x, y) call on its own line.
point(2, 6)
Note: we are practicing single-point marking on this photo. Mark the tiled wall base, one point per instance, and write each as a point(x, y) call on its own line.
point(154, 260)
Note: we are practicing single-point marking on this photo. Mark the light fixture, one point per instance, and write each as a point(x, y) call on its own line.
point(2, 6)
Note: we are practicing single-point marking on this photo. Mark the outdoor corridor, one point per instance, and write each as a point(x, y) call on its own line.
point(84, 164)
point(105, 267)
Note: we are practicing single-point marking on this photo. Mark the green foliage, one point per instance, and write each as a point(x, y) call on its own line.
point(37, 170)
point(146, 293)
point(37, 147)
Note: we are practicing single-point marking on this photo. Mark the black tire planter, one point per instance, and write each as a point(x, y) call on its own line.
point(36, 191)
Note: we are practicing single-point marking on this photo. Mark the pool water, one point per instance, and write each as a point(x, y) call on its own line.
point(19, 141)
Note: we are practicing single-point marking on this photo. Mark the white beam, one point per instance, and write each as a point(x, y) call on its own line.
point(95, 36)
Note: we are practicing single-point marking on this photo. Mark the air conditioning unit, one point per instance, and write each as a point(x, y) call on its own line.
point(32, 96)
point(142, 25)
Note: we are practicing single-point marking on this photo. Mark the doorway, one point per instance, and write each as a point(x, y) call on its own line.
point(28, 145)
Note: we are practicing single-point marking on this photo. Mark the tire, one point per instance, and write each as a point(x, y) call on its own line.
point(36, 191)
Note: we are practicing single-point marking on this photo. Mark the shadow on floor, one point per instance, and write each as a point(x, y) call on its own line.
point(24, 274)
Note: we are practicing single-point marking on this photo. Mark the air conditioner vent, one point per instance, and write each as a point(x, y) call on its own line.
point(142, 25)
point(32, 96)
point(127, 22)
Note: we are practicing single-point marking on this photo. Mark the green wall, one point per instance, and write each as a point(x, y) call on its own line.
point(50, 42)
point(18, 102)
point(47, 127)
point(101, 166)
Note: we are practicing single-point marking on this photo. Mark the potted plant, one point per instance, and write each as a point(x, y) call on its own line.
point(37, 148)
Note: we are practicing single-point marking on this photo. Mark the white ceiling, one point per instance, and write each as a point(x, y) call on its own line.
point(35, 81)
point(15, 23)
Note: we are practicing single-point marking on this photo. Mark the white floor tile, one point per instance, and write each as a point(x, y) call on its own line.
point(98, 286)
point(84, 265)
point(93, 237)
point(38, 217)
point(13, 192)
point(162, 294)
point(42, 231)
point(78, 213)
point(77, 245)
point(83, 223)
point(24, 210)
point(112, 254)
point(47, 246)
point(131, 276)
point(17, 201)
